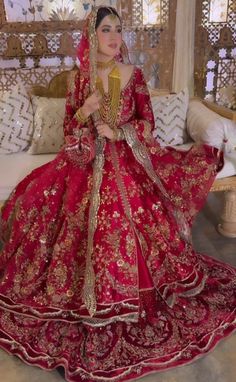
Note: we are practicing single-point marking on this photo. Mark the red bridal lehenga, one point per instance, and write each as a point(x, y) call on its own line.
point(98, 273)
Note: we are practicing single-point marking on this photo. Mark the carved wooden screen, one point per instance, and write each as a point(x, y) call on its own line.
point(215, 47)
point(43, 48)
point(150, 37)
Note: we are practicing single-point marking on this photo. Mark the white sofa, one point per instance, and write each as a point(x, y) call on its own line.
point(14, 167)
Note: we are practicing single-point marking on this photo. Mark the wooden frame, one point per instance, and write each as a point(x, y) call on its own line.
point(221, 110)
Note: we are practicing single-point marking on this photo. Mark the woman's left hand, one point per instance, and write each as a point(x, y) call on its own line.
point(105, 131)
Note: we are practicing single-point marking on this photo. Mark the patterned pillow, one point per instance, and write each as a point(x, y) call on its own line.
point(170, 118)
point(48, 125)
point(16, 120)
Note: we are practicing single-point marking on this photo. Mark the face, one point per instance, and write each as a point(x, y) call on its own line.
point(109, 37)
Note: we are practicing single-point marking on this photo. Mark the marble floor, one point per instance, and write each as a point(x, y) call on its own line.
point(217, 366)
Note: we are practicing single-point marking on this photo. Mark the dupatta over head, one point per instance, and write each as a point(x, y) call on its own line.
point(87, 48)
point(87, 55)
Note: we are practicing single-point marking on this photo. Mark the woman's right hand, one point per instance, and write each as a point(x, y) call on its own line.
point(91, 104)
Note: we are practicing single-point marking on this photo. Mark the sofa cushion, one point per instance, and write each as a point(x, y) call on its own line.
point(170, 118)
point(13, 168)
point(16, 120)
point(48, 125)
point(229, 168)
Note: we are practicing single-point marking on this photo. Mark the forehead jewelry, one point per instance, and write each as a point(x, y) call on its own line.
point(112, 16)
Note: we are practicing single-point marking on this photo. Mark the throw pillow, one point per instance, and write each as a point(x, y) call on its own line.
point(48, 125)
point(16, 120)
point(170, 118)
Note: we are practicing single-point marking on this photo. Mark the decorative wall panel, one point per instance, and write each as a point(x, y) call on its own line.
point(28, 76)
point(226, 75)
point(151, 45)
point(52, 42)
point(215, 42)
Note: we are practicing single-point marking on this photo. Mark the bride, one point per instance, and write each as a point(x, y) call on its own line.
point(97, 272)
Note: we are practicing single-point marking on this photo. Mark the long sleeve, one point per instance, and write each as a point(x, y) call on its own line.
point(142, 122)
point(184, 178)
point(80, 147)
point(71, 123)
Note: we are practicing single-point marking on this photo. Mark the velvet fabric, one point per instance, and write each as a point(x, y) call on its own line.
point(158, 303)
point(98, 273)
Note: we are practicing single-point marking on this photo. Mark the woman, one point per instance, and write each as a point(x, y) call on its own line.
point(98, 274)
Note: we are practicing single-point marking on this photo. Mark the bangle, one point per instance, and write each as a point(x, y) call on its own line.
point(80, 116)
point(121, 135)
point(118, 135)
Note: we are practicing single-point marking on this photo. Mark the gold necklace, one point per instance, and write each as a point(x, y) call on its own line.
point(111, 100)
point(106, 65)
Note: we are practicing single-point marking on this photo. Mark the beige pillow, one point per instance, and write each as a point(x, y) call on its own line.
point(48, 125)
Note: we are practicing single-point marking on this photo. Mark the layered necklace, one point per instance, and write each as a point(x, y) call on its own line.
point(106, 65)
point(110, 100)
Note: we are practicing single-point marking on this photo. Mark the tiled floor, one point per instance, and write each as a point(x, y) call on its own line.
point(218, 366)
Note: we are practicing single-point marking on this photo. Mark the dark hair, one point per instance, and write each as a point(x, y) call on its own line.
point(103, 12)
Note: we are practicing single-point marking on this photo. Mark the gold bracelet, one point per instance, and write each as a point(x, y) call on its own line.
point(115, 136)
point(121, 135)
point(118, 135)
point(80, 116)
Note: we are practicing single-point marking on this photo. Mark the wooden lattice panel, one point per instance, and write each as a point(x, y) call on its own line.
point(210, 39)
point(24, 45)
point(226, 74)
point(28, 77)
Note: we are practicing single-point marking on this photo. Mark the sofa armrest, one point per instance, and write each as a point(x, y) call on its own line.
point(206, 126)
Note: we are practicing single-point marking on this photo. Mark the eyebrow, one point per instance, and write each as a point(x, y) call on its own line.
point(110, 26)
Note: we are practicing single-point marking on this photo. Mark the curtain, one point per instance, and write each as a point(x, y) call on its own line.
point(183, 70)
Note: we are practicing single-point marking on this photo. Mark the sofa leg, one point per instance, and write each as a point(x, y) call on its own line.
point(227, 227)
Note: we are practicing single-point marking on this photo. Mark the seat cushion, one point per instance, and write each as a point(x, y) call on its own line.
point(14, 167)
point(229, 168)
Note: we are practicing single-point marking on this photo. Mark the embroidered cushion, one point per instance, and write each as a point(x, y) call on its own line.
point(16, 120)
point(48, 125)
point(170, 118)
point(206, 126)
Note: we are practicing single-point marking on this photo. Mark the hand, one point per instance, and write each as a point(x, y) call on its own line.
point(105, 131)
point(91, 104)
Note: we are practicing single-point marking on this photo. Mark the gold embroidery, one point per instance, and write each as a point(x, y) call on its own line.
point(89, 282)
point(142, 156)
point(125, 203)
